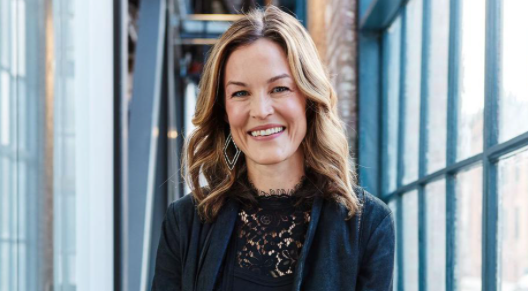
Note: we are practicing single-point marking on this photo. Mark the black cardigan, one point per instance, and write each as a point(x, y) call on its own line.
point(338, 254)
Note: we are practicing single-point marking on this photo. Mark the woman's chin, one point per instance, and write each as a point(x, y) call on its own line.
point(267, 160)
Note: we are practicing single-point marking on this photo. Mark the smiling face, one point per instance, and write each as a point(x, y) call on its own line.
point(265, 109)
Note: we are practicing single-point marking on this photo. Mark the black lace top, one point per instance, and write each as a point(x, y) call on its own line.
point(266, 242)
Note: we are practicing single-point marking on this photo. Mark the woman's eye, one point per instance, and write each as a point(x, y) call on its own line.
point(280, 89)
point(239, 94)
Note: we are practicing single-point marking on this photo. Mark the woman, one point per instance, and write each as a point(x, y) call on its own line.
point(281, 210)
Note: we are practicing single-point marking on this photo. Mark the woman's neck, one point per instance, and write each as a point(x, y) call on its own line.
point(280, 178)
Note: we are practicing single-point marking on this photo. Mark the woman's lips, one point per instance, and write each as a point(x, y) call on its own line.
point(267, 137)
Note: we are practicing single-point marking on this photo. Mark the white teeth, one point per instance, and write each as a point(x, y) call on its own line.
point(266, 132)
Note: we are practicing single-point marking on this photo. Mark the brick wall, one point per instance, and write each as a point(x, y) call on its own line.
point(332, 24)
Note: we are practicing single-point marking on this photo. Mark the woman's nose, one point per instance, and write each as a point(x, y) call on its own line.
point(261, 106)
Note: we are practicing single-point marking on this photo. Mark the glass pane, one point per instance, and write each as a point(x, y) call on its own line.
point(413, 53)
point(5, 124)
point(435, 194)
point(469, 229)
point(394, 207)
point(22, 206)
point(437, 86)
point(4, 265)
point(410, 241)
point(64, 252)
point(514, 91)
point(391, 78)
point(4, 197)
point(513, 222)
point(471, 79)
point(27, 214)
point(4, 34)
point(9, 239)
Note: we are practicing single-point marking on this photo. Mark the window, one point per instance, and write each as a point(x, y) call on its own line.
point(453, 148)
point(46, 166)
point(25, 232)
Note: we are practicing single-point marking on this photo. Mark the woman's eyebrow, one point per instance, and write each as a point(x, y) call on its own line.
point(236, 83)
point(271, 80)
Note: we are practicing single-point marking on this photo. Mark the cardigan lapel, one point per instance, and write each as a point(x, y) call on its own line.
point(215, 246)
point(314, 219)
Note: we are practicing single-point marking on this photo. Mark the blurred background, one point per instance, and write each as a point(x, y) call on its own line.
point(96, 98)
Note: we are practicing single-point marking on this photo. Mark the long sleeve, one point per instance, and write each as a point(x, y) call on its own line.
point(377, 266)
point(168, 269)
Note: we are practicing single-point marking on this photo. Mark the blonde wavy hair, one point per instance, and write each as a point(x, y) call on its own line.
point(325, 145)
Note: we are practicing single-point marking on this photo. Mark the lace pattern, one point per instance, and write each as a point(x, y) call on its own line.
point(271, 236)
point(277, 192)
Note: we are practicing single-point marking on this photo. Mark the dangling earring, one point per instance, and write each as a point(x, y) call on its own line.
point(231, 163)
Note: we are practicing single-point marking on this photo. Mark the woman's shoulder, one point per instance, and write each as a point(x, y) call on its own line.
point(184, 203)
point(373, 207)
point(373, 212)
point(182, 210)
point(376, 216)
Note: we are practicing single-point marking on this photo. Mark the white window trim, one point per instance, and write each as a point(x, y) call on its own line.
point(94, 103)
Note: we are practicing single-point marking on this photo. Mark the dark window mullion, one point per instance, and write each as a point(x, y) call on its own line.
point(502, 149)
point(402, 102)
point(401, 135)
point(423, 146)
point(452, 132)
point(490, 199)
point(489, 226)
point(385, 51)
point(451, 170)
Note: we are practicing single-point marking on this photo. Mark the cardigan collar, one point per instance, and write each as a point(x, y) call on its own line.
point(217, 242)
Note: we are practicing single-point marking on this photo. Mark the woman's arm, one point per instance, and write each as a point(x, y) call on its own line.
point(167, 276)
point(377, 265)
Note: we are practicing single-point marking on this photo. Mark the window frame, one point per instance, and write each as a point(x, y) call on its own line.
point(375, 19)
